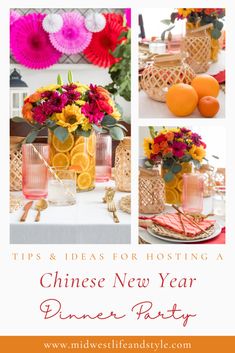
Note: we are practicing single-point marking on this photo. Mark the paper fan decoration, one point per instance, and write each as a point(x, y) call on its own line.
point(14, 16)
point(30, 44)
point(104, 42)
point(52, 23)
point(95, 22)
point(73, 36)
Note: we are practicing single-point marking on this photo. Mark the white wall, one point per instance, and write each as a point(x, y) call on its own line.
point(84, 73)
point(215, 139)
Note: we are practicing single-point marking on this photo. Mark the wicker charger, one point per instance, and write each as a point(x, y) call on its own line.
point(15, 163)
point(151, 191)
point(197, 44)
point(167, 69)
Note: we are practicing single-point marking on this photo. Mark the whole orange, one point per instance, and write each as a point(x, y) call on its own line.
point(208, 106)
point(181, 99)
point(205, 85)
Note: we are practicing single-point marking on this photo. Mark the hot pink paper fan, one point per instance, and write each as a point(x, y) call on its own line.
point(30, 44)
point(14, 16)
point(106, 41)
point(73, 36)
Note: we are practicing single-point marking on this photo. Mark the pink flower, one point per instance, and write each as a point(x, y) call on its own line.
point(92, 113)
point(178, 149)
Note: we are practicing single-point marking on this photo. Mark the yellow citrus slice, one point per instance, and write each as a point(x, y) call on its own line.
point(180, 185)
point(186, 168)
point(172, 196)
point(80, 161)
point(172, 183)
point(60, 160)
point(84, 181)
point(81, 139)
point(63, 146)
point(91, 145)
point(78, 148)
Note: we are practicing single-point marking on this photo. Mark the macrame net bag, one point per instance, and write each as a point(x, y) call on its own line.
point(197, 45)
point(15, 163)
point(151, 191)
point(166, 70)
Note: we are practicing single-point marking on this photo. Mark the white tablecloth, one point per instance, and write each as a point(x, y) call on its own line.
point(87, 222)
point(149, 108)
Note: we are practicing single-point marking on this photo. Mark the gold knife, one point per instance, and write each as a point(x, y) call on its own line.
point(26, 209)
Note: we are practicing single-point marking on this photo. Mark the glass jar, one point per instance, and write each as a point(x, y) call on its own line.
point(193, 192)
point(62, 187)
point(75, 153)
point(103, 157)
point(218, 200)
point(174, 187)
point(34, 171)
point(123, 165)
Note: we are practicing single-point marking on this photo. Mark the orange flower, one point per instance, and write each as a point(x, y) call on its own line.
point(166, 151)
point(34, 97)
point(156, 148)
point(104, 92)
point(27, 112)
point(163, 145)
point(170, 136)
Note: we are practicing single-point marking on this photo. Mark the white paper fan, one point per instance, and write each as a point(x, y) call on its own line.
point(52, 23)
point(95, 22)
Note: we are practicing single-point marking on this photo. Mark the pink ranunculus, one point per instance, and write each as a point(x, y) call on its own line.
point(92, 113)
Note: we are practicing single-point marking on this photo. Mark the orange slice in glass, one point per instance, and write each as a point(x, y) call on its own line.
point(84, 181)
point(91, 145)
point(63, 146)
point(78, 148)
point(60, 160)
point(80, 161)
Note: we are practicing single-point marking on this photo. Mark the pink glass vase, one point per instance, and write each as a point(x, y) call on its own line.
point(193, 192)
point(103, 157)
point(34, 171)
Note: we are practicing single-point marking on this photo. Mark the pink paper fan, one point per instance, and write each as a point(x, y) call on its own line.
point(73, 36)
point(30, 44)
point(14, 16)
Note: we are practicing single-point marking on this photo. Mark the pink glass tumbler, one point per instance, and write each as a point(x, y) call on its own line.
point(193, 192)
point(103, 157)
point(34, 171)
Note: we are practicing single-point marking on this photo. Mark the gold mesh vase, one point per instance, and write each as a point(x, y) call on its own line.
point(166, 71)
point(123, 165)
point(15, 163)
point(197, 45)
point(151, 191)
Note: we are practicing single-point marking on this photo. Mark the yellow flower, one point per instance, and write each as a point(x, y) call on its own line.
point(148, 146)
point(197, 153)
point(48, 88)
point(185, 12)
point(86, 125)
point(70, 117)
point(165, 130)
point(81, 88)
point(115, 114)
point(80, 102)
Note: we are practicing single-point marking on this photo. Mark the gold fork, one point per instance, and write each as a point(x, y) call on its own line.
point(112, 208)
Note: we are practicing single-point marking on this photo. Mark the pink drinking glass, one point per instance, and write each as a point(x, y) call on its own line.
point(193, 192)
point(103, 157)
point(34, 172)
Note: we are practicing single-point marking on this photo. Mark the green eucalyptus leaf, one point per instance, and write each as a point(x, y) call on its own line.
point(61, 133)
point(176, 168)
point(216, 33)
point(219, 25)
point(126, 119)
point(166, 22)
point(97, 128)
point(31, 136)
point(108, 120)
point(168, 176)
point(122, 127)
point(116, 133)
point(80, 132)
point(148, 164)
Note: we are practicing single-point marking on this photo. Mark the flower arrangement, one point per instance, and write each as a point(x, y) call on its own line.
point(173, 147)
point(72, 108)
point(201, 17)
